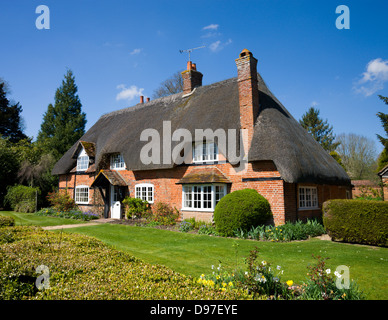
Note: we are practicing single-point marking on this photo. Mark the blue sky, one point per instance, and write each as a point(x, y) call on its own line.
point(120, 49)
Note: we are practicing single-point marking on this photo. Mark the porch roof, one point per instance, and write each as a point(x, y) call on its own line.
point(107, 177)
point(204, 175)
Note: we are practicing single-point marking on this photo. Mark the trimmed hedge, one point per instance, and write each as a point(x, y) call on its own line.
point(6, 221)
point(357, 221)
point(241, 209)
point(84, 268)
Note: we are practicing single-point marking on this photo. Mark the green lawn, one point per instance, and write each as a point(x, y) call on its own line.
point(194, 254)
point(30, 219)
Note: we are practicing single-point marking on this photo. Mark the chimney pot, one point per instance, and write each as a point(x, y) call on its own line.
point(141, 99)
point(148, 99)
point(191, 78)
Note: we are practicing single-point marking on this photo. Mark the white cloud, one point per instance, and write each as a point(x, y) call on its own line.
point(314, 104)
point(218, 45)
point(374, 78)
point(214, 46)
point(128, 93)
point(136, 51)
point(211, 27)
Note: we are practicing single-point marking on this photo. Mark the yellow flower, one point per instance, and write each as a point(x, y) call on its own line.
point(224, 284)
point(290, 283)
point(230, 284)
point(223, 289)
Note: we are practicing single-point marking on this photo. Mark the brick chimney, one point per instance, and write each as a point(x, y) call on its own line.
point(191, 78)
point(247, 92)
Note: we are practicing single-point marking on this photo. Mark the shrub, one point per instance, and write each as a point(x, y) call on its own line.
point(136, 208)
point(357, 221)
point(164, 214)
point(21, 198)
point(83, 268)
point(61, 201)
point(71, 214)
point(6, 221)
point(241, 209)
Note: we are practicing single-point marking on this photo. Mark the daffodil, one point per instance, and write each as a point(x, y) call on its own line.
point(290, 283)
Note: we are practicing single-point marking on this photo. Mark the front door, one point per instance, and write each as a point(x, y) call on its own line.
point(115, 205)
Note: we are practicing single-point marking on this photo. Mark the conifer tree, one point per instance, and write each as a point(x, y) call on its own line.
point(64, 123)
point(11, 125)
point(319, 129)
point(383, 158)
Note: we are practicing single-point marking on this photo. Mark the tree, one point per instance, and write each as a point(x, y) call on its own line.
point(383, 158)
point(64, 123)
point(11, 124)
point(9, 164)
point(319, 129)
point(358, 155)
point(172, 85)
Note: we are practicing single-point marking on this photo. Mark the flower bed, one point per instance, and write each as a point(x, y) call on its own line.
point(71, 214)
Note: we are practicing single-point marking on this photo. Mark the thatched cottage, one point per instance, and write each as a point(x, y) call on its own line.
point(254, 142)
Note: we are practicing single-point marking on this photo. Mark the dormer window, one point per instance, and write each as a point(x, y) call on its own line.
point(117, 162)
point(205, 152)
point(82, 161)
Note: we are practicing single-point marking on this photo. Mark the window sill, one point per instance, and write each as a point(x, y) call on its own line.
point(81, 203)
point(307, 209)
point(197, 210)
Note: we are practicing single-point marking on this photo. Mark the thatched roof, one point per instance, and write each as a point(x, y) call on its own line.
point(277, 135)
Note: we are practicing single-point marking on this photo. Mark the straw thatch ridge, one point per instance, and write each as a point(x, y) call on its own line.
point(277, 135)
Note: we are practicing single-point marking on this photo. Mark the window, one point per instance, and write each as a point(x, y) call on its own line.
point(117, 162)
point(203, 152)
point(82, 161)
point(145, 191)
point(202, 197)
point(82, 194)
point(308, 197)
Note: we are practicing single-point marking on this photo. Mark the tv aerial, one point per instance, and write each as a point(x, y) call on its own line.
point(190, 50)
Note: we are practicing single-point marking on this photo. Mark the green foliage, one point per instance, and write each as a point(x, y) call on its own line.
point(83, 268)
point(21, 198)
point(263, 281)
point(319, 129)
point(164, 214)
point(321, 285)
point(70, 214)
point(136, 208)
point(61, 201)
point(10, 117)
point(193, 224)
point(241, 209)
point(64, 123)
point(288, 232)
point(357, 221)
point(6, 221)
point(9, 165)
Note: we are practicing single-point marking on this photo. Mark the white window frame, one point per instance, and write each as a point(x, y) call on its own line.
point(191, 195)
point(117, 165)
point(77, 197)
point(149, 192)
point(82, 161)
point(306, 195)
point(205, 152)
